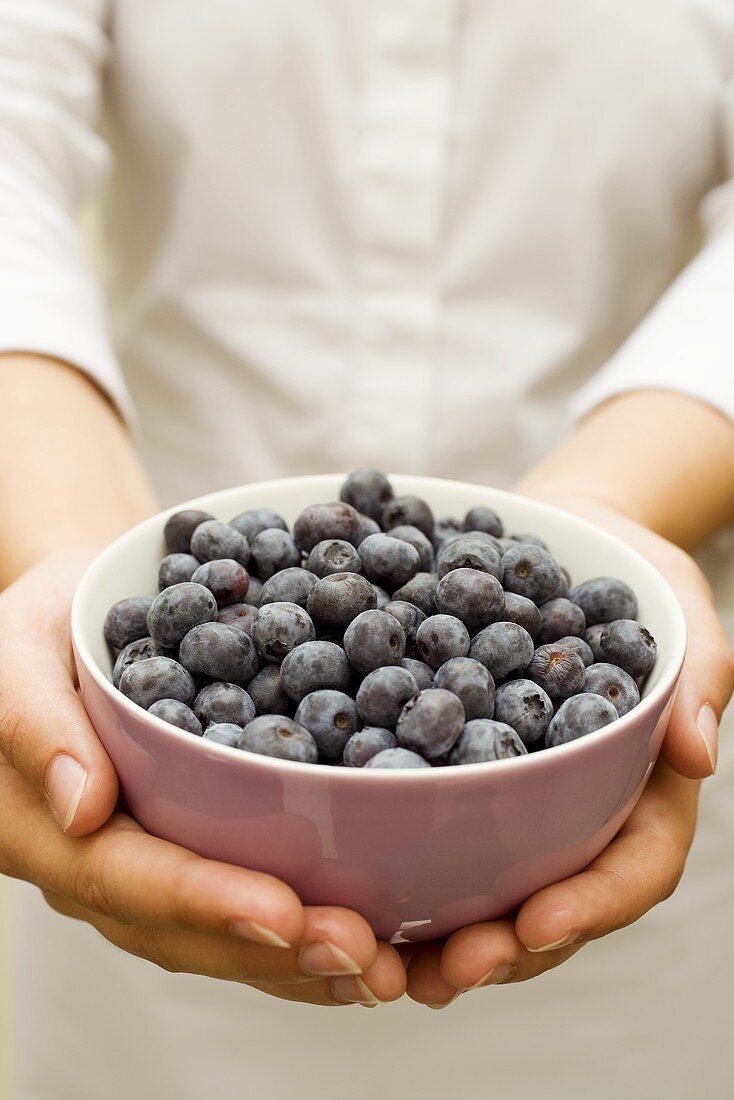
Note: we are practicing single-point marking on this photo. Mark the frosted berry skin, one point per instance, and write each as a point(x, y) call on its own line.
point(420, 590)
point(139, 650)
point(521, 610)
point(604, 599)
point(225, 578)
point(312, 666)
point(126, 621)
point(290, 585)
point(388, 561)
point(177, 714)
point(471, 682)
point(383, 694)
point(471, 595)
point(558, 670)
point(431, 722)
point(532, 572)
point(592, 637)
point(318, 522)
point(469, 552)
point(614, 684)
point(255, 520)
point(408, 511)
point(627, 643)
point(239, 616)
point(366, 743)
point(145, 682)
point(279, 628)
point(334, 601)
point(274, 735)
point(175, 569)
point(268, 694)
point(397, 758)
point(441, 637)
point(213, 540)
point(410, 618)
point(213, 649)
point(443, 528)
point(368, 491)
point(484, 740)
point(334, 556)
point(528, 539)
point(331, 718)
point(578, 717)
point(223, 702)
point(223, 733)
point(578, 646)
point(419, 541)
point(381, 597)
point(524, 705)
point(560, 618)
point(272, 551)
point(373, 640)
point(180, 527)
point(367, 526)
point(420, 671)
point(254, 591)
point(483, 519)
point(177, 609)
point(502, 648)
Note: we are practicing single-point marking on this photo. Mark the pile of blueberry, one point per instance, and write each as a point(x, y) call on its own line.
point(373, 635)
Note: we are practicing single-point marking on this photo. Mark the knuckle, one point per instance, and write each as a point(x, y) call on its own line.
point(147, 944)
point(15, 720)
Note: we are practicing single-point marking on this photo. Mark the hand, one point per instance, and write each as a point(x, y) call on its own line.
point(645, 861)
point(59, 829)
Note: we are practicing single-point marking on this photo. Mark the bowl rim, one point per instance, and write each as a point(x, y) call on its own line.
point(665, 686)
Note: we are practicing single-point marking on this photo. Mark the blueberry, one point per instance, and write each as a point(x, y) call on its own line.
point(216, 650)
point(387, 561)
point(180, 527)
point(367, 526)
point(139, 650)
point(484, 740)
point(420, 671)
point(408, 511)
point(381, 596)
point(145, 682)
point(374, 639)
point(213, 540)
point(288, 586)
point(383, 694)
point(604, 599)
point(331, 719)
point(312, 666)
point(334, 601)
point(368, 491)
point(279, 628)
point(268, 694)
point(441, 637)
point(529, 540)
point(431, 722)
point(272, 551)
point(176, 568)
point(397, 758)
point(443, 528)
point(471, 682)
point(558, 670)
point(475, 597)
point(502, 648)
point(254, 592)
point(225, 578)
point(560, 619)
point(578, 716)
point(417, 539)
point(592, 637)
point(223, 733)
point(578, 645)
point(325, 521)
point(365, 744)
point(126, 621)
point(521, 610)
point(274, 735)
point(255, 520)
point(224, 702)
point(176, 713)
point(483, 519)
point(524, 705)
point(410, 618)
point(612, 683)
point(565, 586)
point(334, 556)
point(626, 643)
point(469, 552)
point(420, 590)
point(177, 609)
point(530, 571)
point(240, 616)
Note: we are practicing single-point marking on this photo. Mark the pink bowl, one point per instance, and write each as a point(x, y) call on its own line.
point(418, 853)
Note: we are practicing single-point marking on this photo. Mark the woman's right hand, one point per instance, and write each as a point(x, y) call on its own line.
point(59, 829)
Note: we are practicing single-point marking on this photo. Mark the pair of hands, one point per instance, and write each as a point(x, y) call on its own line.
point(59, 830)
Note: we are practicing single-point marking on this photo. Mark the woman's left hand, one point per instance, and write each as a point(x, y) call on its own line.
point(643, 864)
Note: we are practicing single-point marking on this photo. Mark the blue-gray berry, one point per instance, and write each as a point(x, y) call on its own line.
point(558, 670)
point(175, 569)
point(177, 609)
point(180, 527)
point(475, 597)
point(224, 702)
point(526, 707)
point(145, 682)
point(273, 550)
point(502, 648)
point(216, 650)
point(312, 666)
point(383, 694)
point(578, 716)
point(213, 539)
point(366, 743)
point(334, 556)
point(178, 714)
point(126, 621)
point(279, 737)
point(431, 722)
point(331, 719)
point(279, 628)
point(626, 643)
point(374, 639)
point(397, 758)
point(530, 571)
point(613, 683)
point(441, 637)
point(471, 682)
point(604, 599)
point(335, 600)
point(368, 491)
point(485, 740)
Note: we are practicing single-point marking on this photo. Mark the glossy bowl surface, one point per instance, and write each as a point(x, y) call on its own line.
point(419, 853)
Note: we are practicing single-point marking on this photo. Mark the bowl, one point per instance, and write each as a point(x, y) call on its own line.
point(418, 853)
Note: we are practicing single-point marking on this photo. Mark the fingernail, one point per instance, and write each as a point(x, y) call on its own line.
point(708, 729)
point(352, 990)
point(65, 783)
point(257, 933)
point(445, 1004)
point(566, 941)
point(324, 959)
point(495, 976)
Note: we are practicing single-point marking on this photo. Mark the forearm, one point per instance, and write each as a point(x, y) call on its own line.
point(69, 473)
point(661, 458)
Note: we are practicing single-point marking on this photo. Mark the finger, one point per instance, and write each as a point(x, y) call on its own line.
point(45, 733)
point(705, 687)
point(641, 867)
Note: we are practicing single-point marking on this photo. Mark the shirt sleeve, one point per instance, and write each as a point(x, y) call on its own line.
point(52, 53)
point(686, 342)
